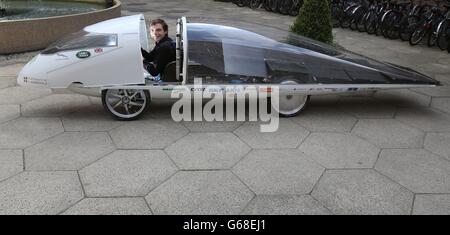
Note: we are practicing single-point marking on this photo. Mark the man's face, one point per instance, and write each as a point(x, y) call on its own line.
point(157, 32)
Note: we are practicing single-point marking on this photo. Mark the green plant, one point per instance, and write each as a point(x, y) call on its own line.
point(314, 21)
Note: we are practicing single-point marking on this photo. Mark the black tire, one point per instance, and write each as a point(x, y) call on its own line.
point(393, 25)
point(347, 17)
point(255, 4)
point(336, 14)
point(140, 98)
point(266, 5)
point(239, 3)
point(370, 22)
point(273, 5)
point(361, 22)
point(285, 6)
point(295, 9)
point(385, 23)
point(444, 35)
point(407, 26)
point(432, 38)
point(417, 35)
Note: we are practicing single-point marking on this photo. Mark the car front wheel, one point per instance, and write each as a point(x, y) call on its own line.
point(126, 104)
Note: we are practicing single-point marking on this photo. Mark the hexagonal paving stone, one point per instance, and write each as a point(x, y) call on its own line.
point(285, 205)
point(9, 112)
point(441, 104)
point(216, 126)
point(425, 119)
point(442, 91)
point(284, 171)
point(403, 98)
point(438, 143)
point(24, 132)
point(110, 206)
point(20, 95)
point(417, 169)
point(161, 108)
point(7, 82)
point(366, 107)
point(389, 133)
point(200, 192)
point(90, 121)
point(11, 163)
point(432, 68)
point(68, 151)
point(127, 173)
point(55, 105)
point(362, 192)
point(10, 70)
point(335, 150)
point(288, 135)
point(443, 78)
point(40, 193)
point(325, 119)
point(432, 205)
point(207, 151)
point(148, 134)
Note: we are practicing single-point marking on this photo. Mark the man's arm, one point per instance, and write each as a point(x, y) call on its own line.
point(148, 56)
point(162, 56)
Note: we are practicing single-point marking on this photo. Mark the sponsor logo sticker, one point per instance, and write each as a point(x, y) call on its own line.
point(83, 54)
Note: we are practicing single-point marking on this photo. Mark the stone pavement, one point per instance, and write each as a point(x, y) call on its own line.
point(382, 153)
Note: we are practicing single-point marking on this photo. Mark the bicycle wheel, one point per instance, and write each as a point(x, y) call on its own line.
point(336, 14)
point(407, 26)
point(285, 6)
point(273, 5)
point(354, 18)
point(266, 5)
point(255, 4)
point(361, 22)
point(432, 38)
point(295, 9)
point(386, 22)
point(443, 35)
point(240, 3)
point(370, 22)
point(346, 18)
point(417, 35)
point(393, 25)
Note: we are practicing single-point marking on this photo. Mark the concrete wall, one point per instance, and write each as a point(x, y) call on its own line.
point(35, 34)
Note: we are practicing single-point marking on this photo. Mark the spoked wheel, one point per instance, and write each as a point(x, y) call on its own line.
point(291, 105)
point(124, 104)
point(407, 26)
point(443, 35)
point(417, 35)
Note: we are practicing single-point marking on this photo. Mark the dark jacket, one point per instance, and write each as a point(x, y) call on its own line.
point(162, 54)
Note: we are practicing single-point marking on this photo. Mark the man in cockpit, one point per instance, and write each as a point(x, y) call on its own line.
point(164, 51)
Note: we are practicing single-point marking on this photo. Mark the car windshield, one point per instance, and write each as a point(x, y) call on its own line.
point(82, 40)
point(220, 51)
point(223, 54)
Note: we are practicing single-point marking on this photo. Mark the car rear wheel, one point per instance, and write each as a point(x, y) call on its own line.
point(126, 104)
point(291, 105)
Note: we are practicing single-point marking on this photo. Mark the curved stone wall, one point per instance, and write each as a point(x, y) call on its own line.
point(35, 34)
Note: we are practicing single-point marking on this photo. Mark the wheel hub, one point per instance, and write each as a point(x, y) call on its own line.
point(125, 100)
